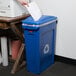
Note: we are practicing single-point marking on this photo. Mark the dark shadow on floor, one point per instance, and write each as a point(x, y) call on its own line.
point(57, 69)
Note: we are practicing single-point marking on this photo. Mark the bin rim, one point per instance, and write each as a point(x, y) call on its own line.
point(43, 19)
point(37, 26)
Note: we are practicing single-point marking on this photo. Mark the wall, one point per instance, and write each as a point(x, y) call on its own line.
point(65, 10)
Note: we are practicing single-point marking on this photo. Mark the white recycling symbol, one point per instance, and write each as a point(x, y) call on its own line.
point(46, 49)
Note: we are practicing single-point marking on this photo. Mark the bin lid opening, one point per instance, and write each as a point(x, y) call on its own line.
point(43, 19)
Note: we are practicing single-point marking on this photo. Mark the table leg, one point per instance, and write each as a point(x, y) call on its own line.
point(16, 65)
point(4, 51)
point(0, 59)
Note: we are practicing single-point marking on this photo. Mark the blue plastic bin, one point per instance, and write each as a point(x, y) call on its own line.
point(40, 42)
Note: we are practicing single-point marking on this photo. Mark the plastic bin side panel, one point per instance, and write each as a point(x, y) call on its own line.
point(54, 38)
point(32, 51)
point(46, 46)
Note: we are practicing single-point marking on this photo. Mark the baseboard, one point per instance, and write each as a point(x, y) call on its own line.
point(65, 60)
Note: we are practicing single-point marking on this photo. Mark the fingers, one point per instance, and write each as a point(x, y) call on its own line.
point(23, 2)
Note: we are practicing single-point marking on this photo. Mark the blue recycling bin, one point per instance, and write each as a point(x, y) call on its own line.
point(40, 39)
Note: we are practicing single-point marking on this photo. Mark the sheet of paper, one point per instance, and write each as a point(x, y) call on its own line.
point(34, 10)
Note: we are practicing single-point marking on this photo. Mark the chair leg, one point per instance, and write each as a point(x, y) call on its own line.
point(16, 65)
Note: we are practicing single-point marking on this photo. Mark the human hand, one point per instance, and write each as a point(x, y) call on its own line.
point(23, 2)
